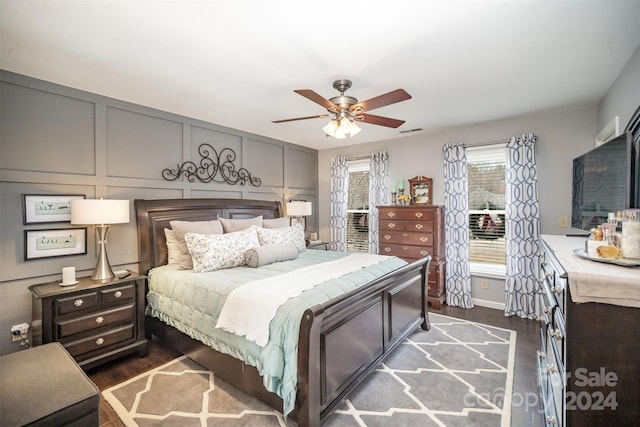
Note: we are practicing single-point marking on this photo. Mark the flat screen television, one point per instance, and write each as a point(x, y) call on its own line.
point(605, 180)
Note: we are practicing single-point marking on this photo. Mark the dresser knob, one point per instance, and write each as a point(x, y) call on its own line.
point(78, 302)
point(418, 214)
point(117, 294)
point(424, 239)
point(424, 253)
point(387, 249)
point(387, 237)
point(391, 214)
point(99, 319)
point(392, 225)
point(419, 226)
point(100, 341)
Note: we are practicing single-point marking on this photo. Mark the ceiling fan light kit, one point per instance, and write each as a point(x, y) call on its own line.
point(345, 110)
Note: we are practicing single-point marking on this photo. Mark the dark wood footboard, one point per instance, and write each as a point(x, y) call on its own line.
point(342, 341)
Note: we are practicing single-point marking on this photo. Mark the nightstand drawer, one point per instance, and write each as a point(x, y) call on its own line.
point(96, 320)
point(120, 295)
point(99, 341)
point(77, 303)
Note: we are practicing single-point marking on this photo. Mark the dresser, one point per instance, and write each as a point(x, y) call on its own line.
point(95, 321)
point(413, 232)
point(588, 361)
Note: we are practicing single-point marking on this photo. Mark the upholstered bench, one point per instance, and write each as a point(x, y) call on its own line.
point(44, 386)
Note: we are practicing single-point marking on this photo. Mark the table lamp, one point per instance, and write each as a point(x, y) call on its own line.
point(298, 209)
point(101, 213)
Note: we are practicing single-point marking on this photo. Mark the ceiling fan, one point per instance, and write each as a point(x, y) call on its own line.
point(346, 110)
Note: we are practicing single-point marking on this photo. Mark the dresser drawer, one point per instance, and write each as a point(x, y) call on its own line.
point(119, 295)
point(414, 226)
point(391, 213)
point(99, 341)
point(95, 320)
point(407, 238)
point(405, 251)
point(76, 303)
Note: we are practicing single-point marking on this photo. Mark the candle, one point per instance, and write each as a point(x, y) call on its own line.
point(401, 184)
point(68, 275)
point(393, 189)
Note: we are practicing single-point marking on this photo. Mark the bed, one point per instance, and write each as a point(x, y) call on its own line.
point(340, 341)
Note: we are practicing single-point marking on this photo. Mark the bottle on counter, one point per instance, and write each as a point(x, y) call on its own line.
point(631, 233)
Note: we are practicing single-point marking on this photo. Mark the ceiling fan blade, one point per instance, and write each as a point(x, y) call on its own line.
point(379, 120)
point(313, 96)
point(382, 100)
point(299, 118)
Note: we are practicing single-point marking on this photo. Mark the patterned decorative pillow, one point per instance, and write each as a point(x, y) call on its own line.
point(180, 228)
point(211, 252)
point(233, 225)
point(173, 250)
point(281, 222)
point(271, 236)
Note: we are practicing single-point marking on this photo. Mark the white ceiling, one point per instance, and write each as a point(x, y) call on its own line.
point(237, 62)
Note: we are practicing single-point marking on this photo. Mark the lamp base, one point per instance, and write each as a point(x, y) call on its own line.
point(103, 271)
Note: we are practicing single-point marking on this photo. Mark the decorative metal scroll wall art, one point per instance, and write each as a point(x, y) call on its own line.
point(214, 166)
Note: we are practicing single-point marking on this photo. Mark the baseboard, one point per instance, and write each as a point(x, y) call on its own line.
point(488, 303)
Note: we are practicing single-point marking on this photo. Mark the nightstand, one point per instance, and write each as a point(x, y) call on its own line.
point(96, 321)
point(318, 246)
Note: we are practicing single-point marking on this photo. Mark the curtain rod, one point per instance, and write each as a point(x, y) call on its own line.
point(505, 141)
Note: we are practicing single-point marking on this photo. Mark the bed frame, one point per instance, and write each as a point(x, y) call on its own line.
point(340, 341)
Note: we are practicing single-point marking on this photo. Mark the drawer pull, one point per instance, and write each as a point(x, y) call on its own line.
point(387, 249)
point(392, 225)
point(100, 341)
point(78, 302)
point(552, 368)
point(117, 294)
point(418, 214)
point(387, 237)
point(556, 333)
point(391, 214)
point(424, 239)
point(551, 420)
point(405, 235)
point(99, 319)
point(419, 226)
point(424, 253)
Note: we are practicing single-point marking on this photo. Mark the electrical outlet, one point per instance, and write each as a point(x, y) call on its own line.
point(484, 284)
point(564, 222)
point(19, 332)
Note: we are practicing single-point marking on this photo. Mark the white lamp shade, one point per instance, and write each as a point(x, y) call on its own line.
point(299, 209)
point(99, 211)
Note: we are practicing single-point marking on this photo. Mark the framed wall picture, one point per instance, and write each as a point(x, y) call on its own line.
point(54, 242)
point(421, 190)
point(47, 208)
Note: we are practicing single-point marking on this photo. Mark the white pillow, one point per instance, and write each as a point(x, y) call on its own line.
point(180, 228)
point(211, 252)
point(271, 236)
point(173, 250)
point(281, 222)
point(232, 225)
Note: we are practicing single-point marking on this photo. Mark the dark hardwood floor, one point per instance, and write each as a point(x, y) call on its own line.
point(526, 408)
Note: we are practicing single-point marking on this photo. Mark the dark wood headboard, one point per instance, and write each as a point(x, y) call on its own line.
point(153, 216)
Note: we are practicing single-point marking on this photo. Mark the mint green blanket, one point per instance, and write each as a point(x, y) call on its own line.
point(191, 302)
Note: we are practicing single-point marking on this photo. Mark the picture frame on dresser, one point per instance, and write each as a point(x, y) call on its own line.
point(47, 208)
point(421, 190)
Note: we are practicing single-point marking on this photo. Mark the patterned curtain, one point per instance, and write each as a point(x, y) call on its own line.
point(522, 227)
point(378, 194)
point(339, 199)
point(456, 219)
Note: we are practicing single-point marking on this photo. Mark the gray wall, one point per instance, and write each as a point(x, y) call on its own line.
point(623, 97)
point(57, 140)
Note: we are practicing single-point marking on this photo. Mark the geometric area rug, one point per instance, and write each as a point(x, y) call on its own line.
point(460, 373)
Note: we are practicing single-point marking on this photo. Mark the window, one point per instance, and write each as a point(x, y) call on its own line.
point(358, 207)
point(486, 181)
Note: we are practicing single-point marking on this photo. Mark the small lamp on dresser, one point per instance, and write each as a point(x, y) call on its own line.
point(101, 213)
point(298, 209)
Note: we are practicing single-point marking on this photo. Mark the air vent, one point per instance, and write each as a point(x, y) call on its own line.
point(411, 130)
